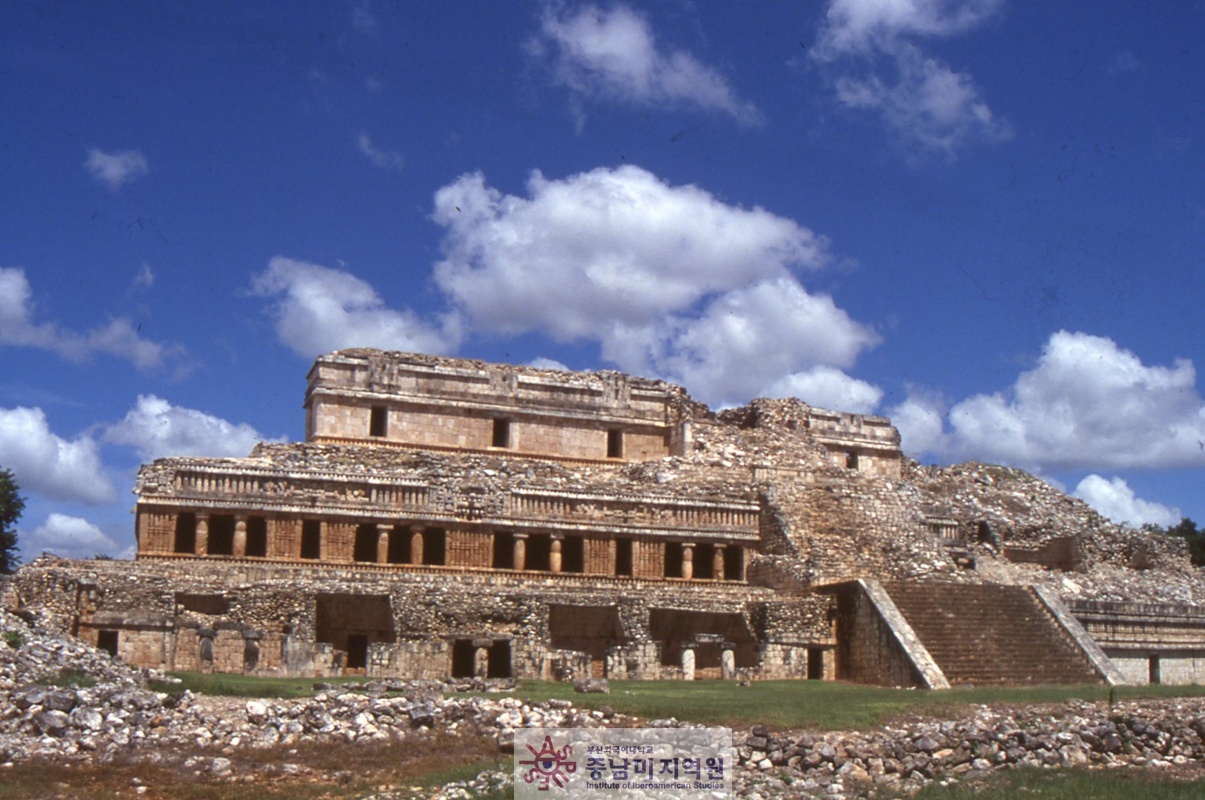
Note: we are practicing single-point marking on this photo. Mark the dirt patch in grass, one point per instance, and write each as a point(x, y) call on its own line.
point(311, 770)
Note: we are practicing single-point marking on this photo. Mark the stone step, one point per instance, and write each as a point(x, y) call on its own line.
point(990, 634)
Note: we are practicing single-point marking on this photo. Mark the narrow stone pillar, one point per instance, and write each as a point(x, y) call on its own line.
point(717, 563)
point(383, 543)
point(416, 546)
point(688, 562)
point(728, 661)
point(240, 536)
point(520, 559)
point(481, 660)
point(688, 662)
point(202, 541)
point(554, 558)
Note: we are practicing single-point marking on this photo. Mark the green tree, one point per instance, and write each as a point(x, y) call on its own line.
point(1188, 530)
point(11, 506)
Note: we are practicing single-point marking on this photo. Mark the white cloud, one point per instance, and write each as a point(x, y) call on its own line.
point(612, 54)
point(321, 309)
point(668, 280)
point(70, 537)
point(1116, 500)
point(385, 159)
point(156, 428)
point(1086, 404)
point(546, 363)
point(116, 169)
point(828, 387)
point(873, 67)
point(145, 277)
point(117, 338)
point(49, 465)
point(920, 420)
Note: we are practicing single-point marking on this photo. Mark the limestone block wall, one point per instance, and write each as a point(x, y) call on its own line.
point(424, 401)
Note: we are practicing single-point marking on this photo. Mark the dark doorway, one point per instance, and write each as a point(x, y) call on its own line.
point(311, 539)
point(623, 556)
point(504, 550)
point(673, 560)
point(499, 659)
point(399, 545)
point(365, 548)
point(734, 563)
point(351, 622)
point(185, 540)
point(501, 437)
point(539, 552)
point(1154, 671)
point(107, 641)
point(614, 443)
point(815, 663)
point(435, 546)
point(378, 421)
point(257, 537)
point(221, 535)
point(704, 561)
point(573, 554)
point(357, 651)
point(462, 658)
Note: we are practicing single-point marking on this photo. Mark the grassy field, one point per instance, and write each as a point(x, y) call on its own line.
point(819, 705)
point(822, 705)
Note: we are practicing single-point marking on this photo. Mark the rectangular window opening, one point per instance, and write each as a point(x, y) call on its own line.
point(573, 554)
point(378, 421)
point(435, 544)
point(501, 433)
point(614, 443)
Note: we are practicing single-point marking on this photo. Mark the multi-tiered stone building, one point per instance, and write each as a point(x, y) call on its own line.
point(447, 517)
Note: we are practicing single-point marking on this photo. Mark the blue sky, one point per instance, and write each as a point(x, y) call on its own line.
point(984, 219)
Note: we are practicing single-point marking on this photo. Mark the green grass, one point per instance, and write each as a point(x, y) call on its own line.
point(823, 705)
point(820, 705)
point(227, 684)
point(1068, 784)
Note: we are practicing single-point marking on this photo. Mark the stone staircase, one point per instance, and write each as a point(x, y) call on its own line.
point(991, 634)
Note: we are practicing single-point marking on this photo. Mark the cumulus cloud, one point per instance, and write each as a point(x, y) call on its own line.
point(667, 279)
point(156, 428)
point(1087, 404)
point(866, 48)
point(828, 387)
point(319, 309)
point(385, 159)
point(613, 55)
point(117, 338)
point(67, 536)
point(49, 465)
point(116, 169)
point(1115, 499)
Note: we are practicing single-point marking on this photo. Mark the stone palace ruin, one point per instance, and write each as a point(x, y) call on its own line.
point(452, 518)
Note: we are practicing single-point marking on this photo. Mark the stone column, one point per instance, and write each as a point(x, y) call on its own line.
point(688, 662)
point(202, 541)
point(554, 559)
point(481, 658)
point(240, 536)
point(416, 546)
point(383, 543)
point(728, 661)
point(688, 562)
point(520, 553)
point(717, 563)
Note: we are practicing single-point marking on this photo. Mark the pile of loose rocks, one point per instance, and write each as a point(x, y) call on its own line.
point(117, 717)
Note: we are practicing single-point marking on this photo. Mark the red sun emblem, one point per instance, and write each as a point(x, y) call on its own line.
point(549, 764)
